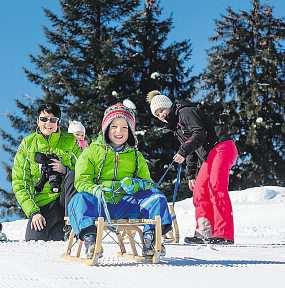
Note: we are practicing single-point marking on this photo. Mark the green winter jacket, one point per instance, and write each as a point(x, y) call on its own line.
point(26, 171)
point(99, 164)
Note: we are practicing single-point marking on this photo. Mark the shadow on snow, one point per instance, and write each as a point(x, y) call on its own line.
point(185, 261)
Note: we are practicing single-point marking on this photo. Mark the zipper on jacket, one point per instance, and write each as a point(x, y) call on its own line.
point(115, 174)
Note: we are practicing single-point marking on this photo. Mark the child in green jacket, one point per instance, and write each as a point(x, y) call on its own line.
point(112, 173)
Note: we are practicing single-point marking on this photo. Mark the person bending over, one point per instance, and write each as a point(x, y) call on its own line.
point(209, 154)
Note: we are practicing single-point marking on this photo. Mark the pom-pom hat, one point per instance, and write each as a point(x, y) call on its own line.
point(157, 101)
point(120, 111)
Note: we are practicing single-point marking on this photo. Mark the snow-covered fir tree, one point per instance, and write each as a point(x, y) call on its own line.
point(246, 70)
point(99, 52)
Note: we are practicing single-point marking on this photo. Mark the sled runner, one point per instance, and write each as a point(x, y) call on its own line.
point(132, 228)
point(173, 235)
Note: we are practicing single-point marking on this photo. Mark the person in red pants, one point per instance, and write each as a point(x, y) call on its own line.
point(209, 152)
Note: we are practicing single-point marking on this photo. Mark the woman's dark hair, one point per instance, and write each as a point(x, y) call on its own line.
point(50, 108)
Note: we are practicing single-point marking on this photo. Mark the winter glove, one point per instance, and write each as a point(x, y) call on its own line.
point(133, 185)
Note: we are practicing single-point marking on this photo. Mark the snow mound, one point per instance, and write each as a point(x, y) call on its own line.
point(259, 195)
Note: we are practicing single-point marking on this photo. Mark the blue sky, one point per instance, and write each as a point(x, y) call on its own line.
point(21, 31)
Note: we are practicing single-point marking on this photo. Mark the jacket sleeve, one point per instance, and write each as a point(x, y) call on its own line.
point(85, 172)
point(143, 170)
point(22, 183)
point(192, 123)
point(76, 152)
point(191, 166)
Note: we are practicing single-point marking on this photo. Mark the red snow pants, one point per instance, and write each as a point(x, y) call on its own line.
point(213, 208)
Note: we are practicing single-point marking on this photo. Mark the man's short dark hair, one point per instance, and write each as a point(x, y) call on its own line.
point(50, 108)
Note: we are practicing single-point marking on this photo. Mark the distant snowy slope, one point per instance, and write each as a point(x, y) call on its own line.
point(259, 215)
point(255, 209)
point(259, 195)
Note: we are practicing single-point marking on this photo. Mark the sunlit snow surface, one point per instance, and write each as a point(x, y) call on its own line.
point(259, 215)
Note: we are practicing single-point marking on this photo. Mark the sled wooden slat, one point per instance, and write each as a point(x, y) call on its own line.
point(126, 230)
point(157, 246)
point(138, 222)
point(173, 235)
point(175, 230)
point(79, 248)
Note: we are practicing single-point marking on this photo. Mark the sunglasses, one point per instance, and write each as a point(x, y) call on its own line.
point(50, 119)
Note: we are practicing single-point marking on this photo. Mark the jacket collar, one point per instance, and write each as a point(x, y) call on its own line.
point(52, 139)
point(172, 118)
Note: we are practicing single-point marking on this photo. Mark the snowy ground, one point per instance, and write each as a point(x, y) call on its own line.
point(259, 220)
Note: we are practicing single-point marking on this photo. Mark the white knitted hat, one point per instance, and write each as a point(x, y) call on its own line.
point(76, 126)
point(157, 101)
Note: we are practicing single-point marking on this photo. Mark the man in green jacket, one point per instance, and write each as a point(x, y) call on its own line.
point(42, 160)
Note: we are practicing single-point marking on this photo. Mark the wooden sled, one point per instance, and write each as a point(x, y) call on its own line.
point(173, 235)
point(129, 227)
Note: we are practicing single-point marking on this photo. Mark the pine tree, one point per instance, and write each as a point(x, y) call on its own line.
point(152, 64)
point(246, 69)
point(81, 69)
point(71, 71)
point(76, 68)
point(8, 208)
point(100, 50)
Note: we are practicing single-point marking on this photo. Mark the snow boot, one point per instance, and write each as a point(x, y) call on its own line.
point(195, 240)
point(3, 237)
point(148, 244)
point(67, 230)
point(220, 241)
point(89, 243)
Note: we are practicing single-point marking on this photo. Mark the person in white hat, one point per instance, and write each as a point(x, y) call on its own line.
point(209, 151)
point(77, 128)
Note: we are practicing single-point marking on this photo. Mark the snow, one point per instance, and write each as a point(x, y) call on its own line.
point(259, 220)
